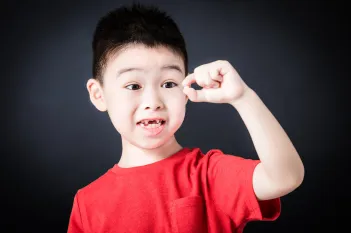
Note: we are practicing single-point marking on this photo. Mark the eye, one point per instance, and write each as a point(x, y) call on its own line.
point(169, 84)
point(133, 87)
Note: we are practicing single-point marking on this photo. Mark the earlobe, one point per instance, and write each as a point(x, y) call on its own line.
point(96, 94)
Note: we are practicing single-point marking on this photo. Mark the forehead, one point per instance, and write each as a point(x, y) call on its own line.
point(145, 57)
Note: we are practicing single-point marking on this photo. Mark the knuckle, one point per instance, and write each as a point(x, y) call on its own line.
point(201, 82)
point(224, 62)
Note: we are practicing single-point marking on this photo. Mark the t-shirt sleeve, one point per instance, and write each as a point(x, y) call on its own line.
point(75, 224)
point(231, 189)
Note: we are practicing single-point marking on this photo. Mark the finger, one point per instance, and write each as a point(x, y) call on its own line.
point(188, 80)
point(210, 83)
point(215, 74)
point(214, 84)
point(209, 77)
point(195, 95)
point(222, 66)
point(203, 80)
point(202, 77)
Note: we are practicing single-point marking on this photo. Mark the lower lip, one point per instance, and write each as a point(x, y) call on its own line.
point(152, 131)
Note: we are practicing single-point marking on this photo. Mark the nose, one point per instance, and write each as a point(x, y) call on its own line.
point(152, 100)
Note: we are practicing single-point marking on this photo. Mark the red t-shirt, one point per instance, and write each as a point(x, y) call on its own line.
point(188, 192)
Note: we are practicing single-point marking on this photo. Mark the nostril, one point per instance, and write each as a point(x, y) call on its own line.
point(156, 108)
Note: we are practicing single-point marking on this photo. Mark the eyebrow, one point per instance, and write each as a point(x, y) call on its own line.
point(166, 67)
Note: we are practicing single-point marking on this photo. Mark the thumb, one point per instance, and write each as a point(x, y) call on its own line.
point(195, 95)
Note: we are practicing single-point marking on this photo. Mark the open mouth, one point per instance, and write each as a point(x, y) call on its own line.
point(151, 123)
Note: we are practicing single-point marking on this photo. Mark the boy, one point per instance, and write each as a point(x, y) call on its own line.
point(140, 79)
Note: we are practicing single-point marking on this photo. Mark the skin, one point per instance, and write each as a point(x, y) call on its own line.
point(281, 170)
point(152, 89)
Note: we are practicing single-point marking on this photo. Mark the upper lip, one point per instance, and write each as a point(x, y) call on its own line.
point(151, 119)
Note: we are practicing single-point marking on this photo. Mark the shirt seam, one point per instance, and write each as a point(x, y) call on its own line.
point(80, 214)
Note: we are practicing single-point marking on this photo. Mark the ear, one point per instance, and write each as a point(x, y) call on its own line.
point(96, 94)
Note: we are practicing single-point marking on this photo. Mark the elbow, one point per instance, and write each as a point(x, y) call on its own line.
point(289, 185)
point(296, 179)
point(300, 176)
point(293, 181)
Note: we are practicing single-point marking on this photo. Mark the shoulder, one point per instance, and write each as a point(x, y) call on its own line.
point(97, 188)
point(215, 159)
point(217, 155)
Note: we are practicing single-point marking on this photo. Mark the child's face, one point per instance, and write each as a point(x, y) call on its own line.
point(144, 83)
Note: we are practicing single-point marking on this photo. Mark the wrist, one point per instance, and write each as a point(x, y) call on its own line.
point(245, 98)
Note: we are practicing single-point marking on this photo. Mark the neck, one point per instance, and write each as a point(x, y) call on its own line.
point(133, 155)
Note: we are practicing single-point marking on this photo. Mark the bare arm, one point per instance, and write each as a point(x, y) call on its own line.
point(281, 170)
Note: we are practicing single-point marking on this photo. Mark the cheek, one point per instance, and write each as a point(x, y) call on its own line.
point(176, 105)
point(120, 109)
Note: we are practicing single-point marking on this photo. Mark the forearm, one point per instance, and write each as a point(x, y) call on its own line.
point(278, 155)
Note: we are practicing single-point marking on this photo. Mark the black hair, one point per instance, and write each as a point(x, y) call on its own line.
point(135, 24)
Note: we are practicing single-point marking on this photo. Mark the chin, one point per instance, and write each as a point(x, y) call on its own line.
point(150, 144)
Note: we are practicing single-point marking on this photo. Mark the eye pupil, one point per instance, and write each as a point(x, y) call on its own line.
point(133, 87)
point(165, 85)
point(170, 84)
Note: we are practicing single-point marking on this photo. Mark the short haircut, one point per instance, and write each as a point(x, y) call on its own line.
point(136, 24)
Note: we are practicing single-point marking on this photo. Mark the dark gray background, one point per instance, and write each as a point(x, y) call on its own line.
point(53, 141)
